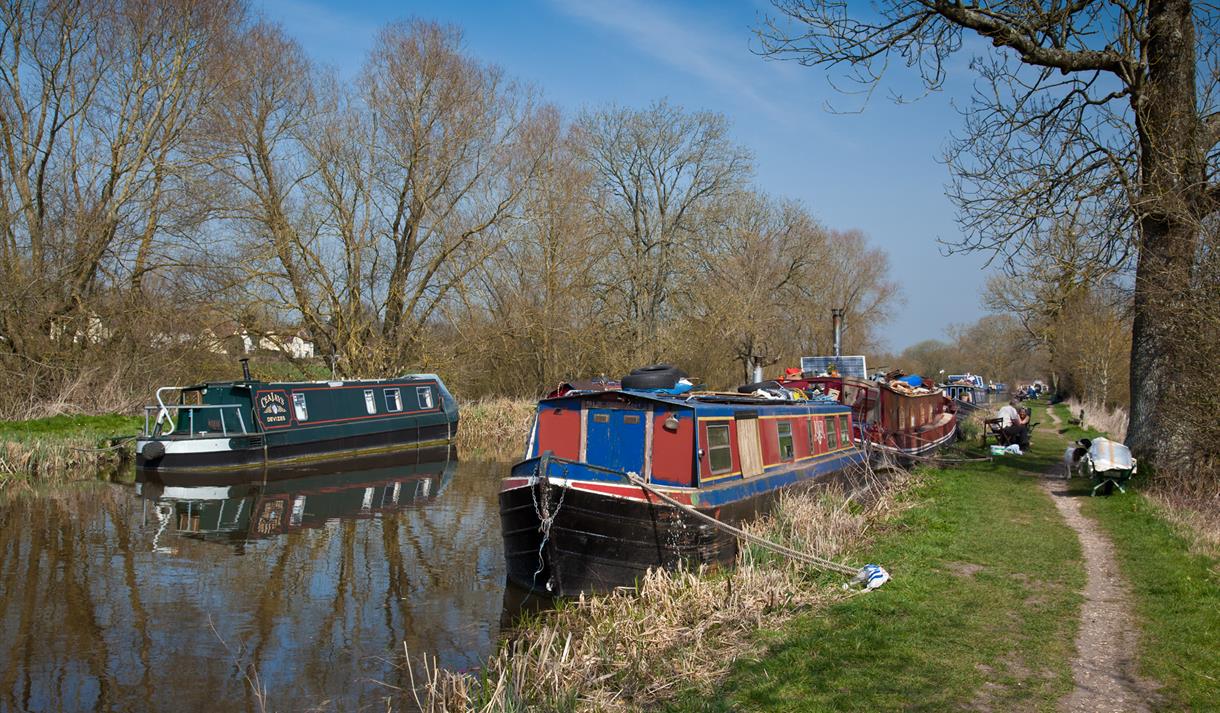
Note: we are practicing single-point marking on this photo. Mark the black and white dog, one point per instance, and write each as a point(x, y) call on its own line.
point(1073, 458)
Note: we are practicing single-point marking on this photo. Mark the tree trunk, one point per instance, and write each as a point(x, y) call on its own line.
point(1171, 176)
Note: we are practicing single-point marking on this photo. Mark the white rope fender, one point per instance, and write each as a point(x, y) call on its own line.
point(871, 575)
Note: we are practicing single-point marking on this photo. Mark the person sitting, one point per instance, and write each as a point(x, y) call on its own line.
point(1014, 424)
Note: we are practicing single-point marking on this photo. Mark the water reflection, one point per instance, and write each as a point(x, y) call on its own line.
point(312, 580)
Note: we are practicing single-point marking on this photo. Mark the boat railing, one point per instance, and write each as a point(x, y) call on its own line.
point(172, 415)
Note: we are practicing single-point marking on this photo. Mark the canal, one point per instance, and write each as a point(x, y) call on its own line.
point(281, 591)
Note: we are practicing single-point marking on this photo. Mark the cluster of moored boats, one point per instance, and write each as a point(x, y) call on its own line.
point(617, 477)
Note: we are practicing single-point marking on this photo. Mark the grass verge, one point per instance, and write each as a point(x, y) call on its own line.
point(981, 614)
point(64, 447)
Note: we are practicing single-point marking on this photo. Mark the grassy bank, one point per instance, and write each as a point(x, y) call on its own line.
point(1174, 573)
point(981, 613)
point(64, 447)
point(634, 650)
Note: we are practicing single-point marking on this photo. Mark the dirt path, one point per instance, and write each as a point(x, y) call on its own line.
point(1104, 667)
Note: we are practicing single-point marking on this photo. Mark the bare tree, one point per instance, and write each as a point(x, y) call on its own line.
point(1107, 104)
point(371, 206)
point(458, 145)
point(98, 107)
point(657, 172)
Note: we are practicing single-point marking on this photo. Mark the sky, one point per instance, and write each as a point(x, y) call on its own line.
point(871, 165)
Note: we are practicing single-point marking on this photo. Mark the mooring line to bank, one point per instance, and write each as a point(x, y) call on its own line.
point(113, 447)
point(804, 557)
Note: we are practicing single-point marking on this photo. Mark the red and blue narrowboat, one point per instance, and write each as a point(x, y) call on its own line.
point(574, 522)
point(245, 424)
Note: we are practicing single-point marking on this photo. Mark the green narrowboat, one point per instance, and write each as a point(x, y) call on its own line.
point(237, 425)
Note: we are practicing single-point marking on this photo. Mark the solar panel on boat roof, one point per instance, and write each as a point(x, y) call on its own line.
point(854, 366)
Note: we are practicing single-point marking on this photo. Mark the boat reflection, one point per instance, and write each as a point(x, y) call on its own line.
point(279, 501)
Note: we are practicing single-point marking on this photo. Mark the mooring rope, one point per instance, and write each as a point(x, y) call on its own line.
point(113, 447)
point(804, 557)
point(546, 518)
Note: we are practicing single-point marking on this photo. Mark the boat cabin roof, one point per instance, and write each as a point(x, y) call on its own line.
point(706, 403)
point(335, 383)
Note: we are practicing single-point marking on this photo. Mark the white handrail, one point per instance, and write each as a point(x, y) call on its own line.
point(164, 412)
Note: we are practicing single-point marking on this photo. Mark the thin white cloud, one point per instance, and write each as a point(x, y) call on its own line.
point(720, 59)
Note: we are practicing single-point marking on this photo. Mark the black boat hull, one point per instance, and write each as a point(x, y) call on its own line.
point(597, 543)
point(245, 453)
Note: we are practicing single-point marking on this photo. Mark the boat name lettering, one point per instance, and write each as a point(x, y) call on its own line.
point(274, 407)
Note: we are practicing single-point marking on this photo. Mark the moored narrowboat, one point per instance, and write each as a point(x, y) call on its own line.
point(969, 392)
point(893, 417)
point(252, 423)
point(573, 521)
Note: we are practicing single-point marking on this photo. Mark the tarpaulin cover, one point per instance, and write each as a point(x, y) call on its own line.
point(1108, 455)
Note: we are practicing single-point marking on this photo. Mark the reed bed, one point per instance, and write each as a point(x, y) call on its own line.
point(1099, 417)
point(60, 459)
point(637, 648)
point(495, 428)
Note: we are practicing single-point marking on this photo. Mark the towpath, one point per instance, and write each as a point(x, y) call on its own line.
point(1104, 669)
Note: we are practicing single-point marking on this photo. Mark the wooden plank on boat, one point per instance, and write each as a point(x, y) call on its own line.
point(749, 447)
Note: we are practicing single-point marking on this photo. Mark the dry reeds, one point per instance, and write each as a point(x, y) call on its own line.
point(634, 649)
point(495, 428)
point(1099, 417)
point(54, 460)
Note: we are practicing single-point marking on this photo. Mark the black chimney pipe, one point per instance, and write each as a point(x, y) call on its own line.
point(245, 368)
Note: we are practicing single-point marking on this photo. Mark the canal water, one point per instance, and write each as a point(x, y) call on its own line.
point(284, 591)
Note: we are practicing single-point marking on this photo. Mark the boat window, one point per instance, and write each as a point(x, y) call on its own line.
point(298, 404)
point(424, 394)
point(832, 437)
point(601, 418)
point(370, 404)
point(844, 431)
point(813, 445)
point(784, 428)
point(719, 451)
point(631, 419)
point(393, 401)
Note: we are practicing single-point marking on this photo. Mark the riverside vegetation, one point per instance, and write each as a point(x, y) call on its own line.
point(64, 448)
point(982, 612)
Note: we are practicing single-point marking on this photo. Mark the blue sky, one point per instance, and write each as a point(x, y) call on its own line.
point(876, 169)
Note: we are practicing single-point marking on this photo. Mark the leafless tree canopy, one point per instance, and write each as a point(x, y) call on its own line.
point(1099, 118)
point(180, 183)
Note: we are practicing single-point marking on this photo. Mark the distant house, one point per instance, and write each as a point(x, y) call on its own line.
point(90, 330)
point(295, 346)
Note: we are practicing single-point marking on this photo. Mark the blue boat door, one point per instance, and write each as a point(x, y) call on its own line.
point(616, 439)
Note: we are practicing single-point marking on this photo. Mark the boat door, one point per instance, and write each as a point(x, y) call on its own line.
point(616, 439)
point(748, 445)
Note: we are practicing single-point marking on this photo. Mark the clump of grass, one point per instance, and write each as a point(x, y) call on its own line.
point(495, 428)
point(970, 428)
point(637, 648)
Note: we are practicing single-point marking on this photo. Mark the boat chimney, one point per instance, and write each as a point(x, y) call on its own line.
point(836, 316)
point(245, 368)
